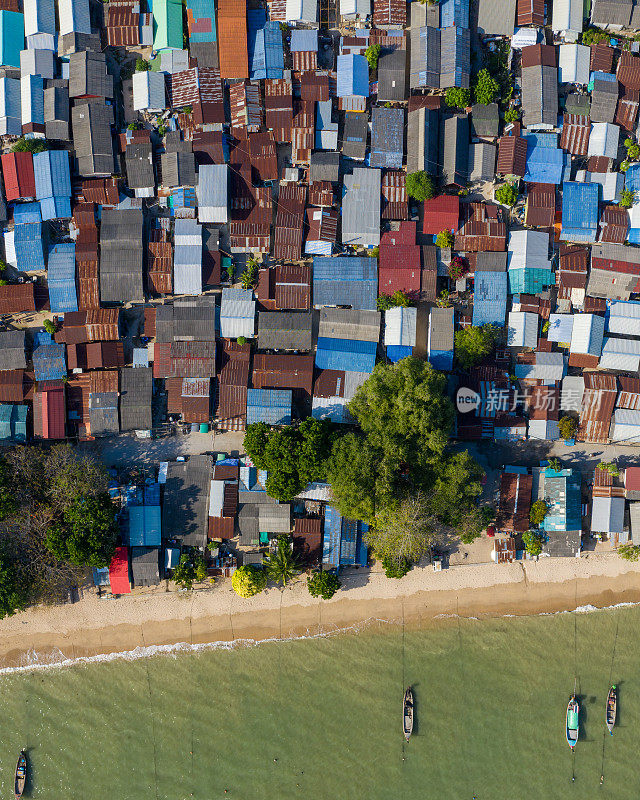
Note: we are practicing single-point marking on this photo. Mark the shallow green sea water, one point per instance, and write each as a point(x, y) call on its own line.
point(491, 697)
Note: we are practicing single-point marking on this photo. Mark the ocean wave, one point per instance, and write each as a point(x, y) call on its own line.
point(32, 660)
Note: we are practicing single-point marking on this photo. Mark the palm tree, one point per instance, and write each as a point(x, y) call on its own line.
point(282, 566)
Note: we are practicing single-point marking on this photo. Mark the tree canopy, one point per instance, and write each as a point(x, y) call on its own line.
point(404, 533)
point(627, 198)
point(473, 344)
point(323, 584)
point(30, 145)
point(455, 97)
point(420, 186)
point(87, 534)
point(445, 239)
point(355, 476)
point(567, 427)
point(398, 298)
point(190, 568)
point(12, 596)
point(292, 456)
point(372, 54)
point(533, 542)
point(486, 88)
point(282, 566)
point(249, 580)
point(506, 194)
point(538, 512)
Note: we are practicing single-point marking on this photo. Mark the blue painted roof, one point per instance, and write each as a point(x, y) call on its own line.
point(545, 161)
point(144, 526)
point(604, 76)
point(490, 298)
point(562, 491)
point(55, 208)
point(353, 75)
point(396, 352)
point(347, 354)
point(632, 178)
point(11, 38)
point(27, 240)
point(26, 212)
point(272, 406)
point(266, 55)
point(152, 494)
point(343, 542)
point(441, 360)
point(203, 28)
point(579, 211)
point(49, 362)
point(454, 12)
point(13, 423)
point(529, 280)
point(303, 40)
point(62, 278)
point(52, 174)
point(387, 137)
point(345, 281)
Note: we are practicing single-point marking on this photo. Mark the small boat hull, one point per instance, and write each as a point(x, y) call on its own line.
point(612, 709)
point(21, 776)
point(572, 721)
point(407, 714)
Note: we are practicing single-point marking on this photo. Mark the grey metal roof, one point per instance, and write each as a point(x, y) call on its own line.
point(274, 518)
point(139, 161)
point(145, 567)
point(12, 353)
point(345, 281)
point(611, 12)
point(578, 104)
point(482, 161)
point(496, 17)
point(325, 166)
point(455, 150)
point(237, 312)
point(344, 323)
point(455, 57)
point(354, 137)
point(187, 257)
point(121, 249)
point(441, 330)
point(248, 524)
point(284, 330)
point(361, 207)
point(88, 75)
point(136, 391)
point(425, 55)
point(392, 76)
point(103, 413)
point(423, 141)
point(540, 95)
point(185, 320)
point(604, 100)
point(178, 168)
point(562, 544)
point(186, 501)
point(91, 125)
point(485, 120)
point(491, 262)
point(56, 112)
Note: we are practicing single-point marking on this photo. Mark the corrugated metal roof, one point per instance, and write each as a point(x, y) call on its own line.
point(387, 137)
point(344, 280)
point(579, 211)
point(361, 207)
point(272, 406)
point(232, 39)
point(342, 354)
point(353, 76)
point(62, 278)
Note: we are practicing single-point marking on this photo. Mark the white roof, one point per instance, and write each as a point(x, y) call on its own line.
point(333, 408)
point(623, 318)
point(528, 249)
point(573, 63)
point(587, 333)
point(522, 329)
point(571, 393)
point(612, 182)
point(549, 368)
point(634, 519)
point(237, 312)
point(524, 37)
point(9, 249)
point(361, 8)
point(36, 61)
point(626, 426)
point(148, 90)
point(212, 193)
point(634, 215)
point(560, 327)
point(603, 140)
point(10, 101)
point(39, 17)
point(302, 11)
point(620, 354)
point(543, 429)
point(607, 514)
point(187, 257)
point(216, 498)
point(316, 491)
point(74, 16)
point(567, 15)
point(400, 326)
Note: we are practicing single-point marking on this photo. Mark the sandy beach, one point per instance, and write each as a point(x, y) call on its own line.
point(112, 625)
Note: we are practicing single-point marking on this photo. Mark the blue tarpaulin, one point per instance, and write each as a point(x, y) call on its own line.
point(545, 161)
point(49, 363)
point(396, 352)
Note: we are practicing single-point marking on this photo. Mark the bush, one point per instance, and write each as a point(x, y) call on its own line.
point(633, 152)
point(486, 88)
point(249, 580)
point(593, 36)
point(538, 512)
point(568, 427)
point(191, 568)
point(398, 298)
point(610, 467)
point(629, 551)
point(457, 268)
point(420, 186)
point(506, 194)
point(555, 464)
point(12, 596)
point(242, 340)
point(142, 65)
point(456, 97)
point(323, 584)
point(511, 115)
point(627, 198)
point(372, 54)
point(473, 344)
point(396, 569)
point(30, 146)
point(49, 327)
point(445, 239)
point(533, 542)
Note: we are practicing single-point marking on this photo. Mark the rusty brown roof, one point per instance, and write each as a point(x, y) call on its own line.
point(283, 372)
point(232, 39)
point(289, 227)
point(575, 134)
point(293, 286)
point(512, 155)
point(541, 205)
point(614, 224)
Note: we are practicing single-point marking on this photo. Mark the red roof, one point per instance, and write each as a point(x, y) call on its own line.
point(17, 169)
point(119, 572)
point(391, 280)
point(49, 414)
point(441, 213)
point(632, 478)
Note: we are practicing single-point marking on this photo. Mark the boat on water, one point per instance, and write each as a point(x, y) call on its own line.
point(21, 775)
point(407, 713)
point(612, 708)
point(573, 712)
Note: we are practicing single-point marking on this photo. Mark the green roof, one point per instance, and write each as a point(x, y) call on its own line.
point(167, 23)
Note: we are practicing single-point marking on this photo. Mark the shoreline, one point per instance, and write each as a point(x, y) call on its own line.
point(175, 622)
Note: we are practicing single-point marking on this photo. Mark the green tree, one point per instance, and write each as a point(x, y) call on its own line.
point(594, 35)
point(555, 464)
point(567, 427)
point(473, 344)
point(282, 566)
point(255, 442)
point(30, 145)
point(49, 326)
point(404, 533)
point(456, 488)
point(455, 97)
point(511, 115)
point(249, 580)
point(486, 88)
point(88, 534)
point(353, 472)
point(629, 551)
point(473, 523)
point(538, 512)
point(142, 65)
point(634, 151)
point(323, 584)
point(627, 198)
point(398, 298)
point(445, 239)
point(372, 54)
point(395, 568)
point(190, 569)
point(420, 186)
point(610, 467)
point(8, 500)
point(533, 542)
point(12, 596)
point(506, 194)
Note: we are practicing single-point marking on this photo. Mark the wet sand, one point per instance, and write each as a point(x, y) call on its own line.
point(422, 598)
